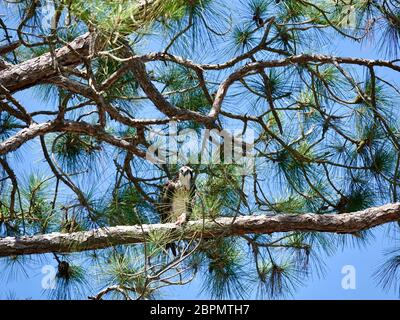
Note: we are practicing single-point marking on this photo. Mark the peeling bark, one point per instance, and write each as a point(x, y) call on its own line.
point(36, 70)
point(261, 224)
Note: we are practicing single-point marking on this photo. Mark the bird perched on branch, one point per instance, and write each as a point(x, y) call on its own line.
point(176, 201)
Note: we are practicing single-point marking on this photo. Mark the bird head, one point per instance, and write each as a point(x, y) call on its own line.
point(185, 176)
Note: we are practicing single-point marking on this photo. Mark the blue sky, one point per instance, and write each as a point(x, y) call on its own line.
point(365, 259)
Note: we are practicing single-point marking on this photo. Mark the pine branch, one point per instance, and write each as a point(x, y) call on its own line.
point(36, 70)
point(9, 47)
point(262, 224)
point(35, 130)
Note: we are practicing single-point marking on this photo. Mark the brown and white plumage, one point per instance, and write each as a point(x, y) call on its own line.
point(177, 199)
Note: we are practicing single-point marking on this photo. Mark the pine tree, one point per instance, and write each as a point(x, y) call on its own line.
point(79, 191)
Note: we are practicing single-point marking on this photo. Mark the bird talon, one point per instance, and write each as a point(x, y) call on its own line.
point(181, 219)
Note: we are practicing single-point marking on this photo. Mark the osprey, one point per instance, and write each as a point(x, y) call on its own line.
point(177, 199)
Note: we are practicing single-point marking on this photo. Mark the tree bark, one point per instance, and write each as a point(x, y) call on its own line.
point(36, 70)
point(257, 224)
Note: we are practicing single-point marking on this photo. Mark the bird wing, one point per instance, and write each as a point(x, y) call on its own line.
point(190, 204)
point(165, 202)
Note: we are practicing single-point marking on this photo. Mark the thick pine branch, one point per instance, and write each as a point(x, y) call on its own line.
point(41, 69)
point(262, 224)
point(37, 70)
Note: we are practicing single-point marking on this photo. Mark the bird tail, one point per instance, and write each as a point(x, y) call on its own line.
point(171, 246)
